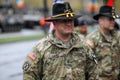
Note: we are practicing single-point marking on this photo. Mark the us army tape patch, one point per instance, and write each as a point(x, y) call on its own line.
point(26, 66)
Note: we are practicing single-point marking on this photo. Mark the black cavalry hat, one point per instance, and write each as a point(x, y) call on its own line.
point(61, 11)
point(106, 11)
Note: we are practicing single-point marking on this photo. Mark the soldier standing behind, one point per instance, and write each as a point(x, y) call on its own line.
point(105, 43)
point(62, 54)
point(82, 27)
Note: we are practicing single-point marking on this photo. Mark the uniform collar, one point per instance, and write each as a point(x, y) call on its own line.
point(108, 37)
point(72, 42)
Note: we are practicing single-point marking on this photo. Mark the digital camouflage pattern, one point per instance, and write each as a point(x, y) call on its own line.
point(52, 59)
point(107, 51)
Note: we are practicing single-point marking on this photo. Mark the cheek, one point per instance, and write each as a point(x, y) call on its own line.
point(72, 24)
point(62, 28)
point(110, 24)
point(106, 23)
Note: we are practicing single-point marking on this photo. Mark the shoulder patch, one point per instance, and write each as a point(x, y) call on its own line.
point(32, 55)
point(90, 43)
point(26, 66)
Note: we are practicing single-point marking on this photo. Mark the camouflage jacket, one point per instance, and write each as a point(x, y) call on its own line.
point(107, 51)
point(52, 59)
point(78, 32)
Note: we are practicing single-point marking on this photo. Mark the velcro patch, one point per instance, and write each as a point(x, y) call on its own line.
point(26, 66)
point(32, 56)
point(90, 43)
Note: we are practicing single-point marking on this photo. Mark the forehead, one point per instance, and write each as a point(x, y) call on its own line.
point(105, 17)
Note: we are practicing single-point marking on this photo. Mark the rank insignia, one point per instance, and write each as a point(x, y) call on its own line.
point(32, 56)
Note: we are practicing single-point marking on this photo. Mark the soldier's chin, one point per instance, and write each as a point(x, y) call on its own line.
point(68, 32)
point(111, 28)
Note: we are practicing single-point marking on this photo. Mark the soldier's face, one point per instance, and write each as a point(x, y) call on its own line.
point(64, 26)
point(83, 29)
point(106, 23)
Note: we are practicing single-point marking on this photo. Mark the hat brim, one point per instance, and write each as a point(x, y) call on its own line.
point(96, 17)
point(62, 18)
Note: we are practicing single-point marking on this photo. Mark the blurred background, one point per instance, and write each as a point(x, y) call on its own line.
point(22, 25)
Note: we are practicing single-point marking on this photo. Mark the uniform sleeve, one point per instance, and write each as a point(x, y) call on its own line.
point(91, 65)
point(32, 68)
point(119, 38)
point(119, 52)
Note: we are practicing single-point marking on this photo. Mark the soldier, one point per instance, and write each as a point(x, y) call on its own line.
point(82, 27)
point(105, 42)
point(61, 55)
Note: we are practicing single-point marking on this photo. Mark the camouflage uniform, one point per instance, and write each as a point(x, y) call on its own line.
point(52, 59)
point(83, 35)
point(107, 51)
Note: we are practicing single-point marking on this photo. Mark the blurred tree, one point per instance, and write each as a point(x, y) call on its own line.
point(105, 1)
point(117, 5)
